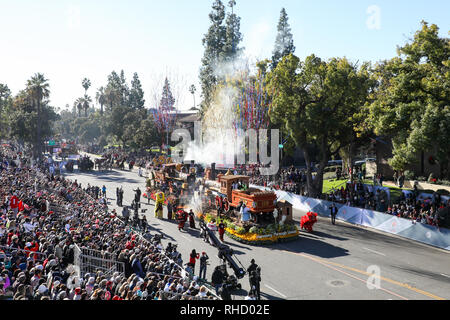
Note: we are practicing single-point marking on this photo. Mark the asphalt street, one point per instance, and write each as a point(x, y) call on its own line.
point(335, 262)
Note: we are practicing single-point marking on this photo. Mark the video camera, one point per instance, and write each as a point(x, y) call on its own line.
point(225, 252)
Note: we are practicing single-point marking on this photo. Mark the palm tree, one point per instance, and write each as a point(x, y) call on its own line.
point(101, 98)
point(78, 104)
point(86, 100)
point(192, 90)
point(86, 83)
point(38, 89)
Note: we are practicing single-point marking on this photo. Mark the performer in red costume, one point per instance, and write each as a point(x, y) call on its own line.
point(308, 220)
point(182, 217)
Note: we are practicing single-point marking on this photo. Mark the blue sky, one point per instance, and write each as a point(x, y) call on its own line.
point(70, 40)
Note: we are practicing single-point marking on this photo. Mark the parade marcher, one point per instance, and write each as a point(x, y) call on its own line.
point(221, 229)
point(169, 210)
point(203, 265)
point(181, 219)
point(333, 213)
point(159, 205)
point(191, 219)
point(120, 196)
point(137, 195)
point(104, 191)
point(219, 212)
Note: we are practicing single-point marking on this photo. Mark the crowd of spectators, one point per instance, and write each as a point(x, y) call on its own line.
point(46, 219)
point(408, 206)
point(360, 195)
point(357, 194)
point(423, 211)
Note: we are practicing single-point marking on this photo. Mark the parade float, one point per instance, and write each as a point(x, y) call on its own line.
point(254, 235)
point(251, 215)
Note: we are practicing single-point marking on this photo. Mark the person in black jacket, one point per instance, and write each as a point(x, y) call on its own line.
point(217, 279)
point(137, 195)
point(255, 279)
point(203, 263)
point(333, 212)
point(252, 266)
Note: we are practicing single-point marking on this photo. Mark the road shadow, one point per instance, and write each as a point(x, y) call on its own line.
point(311, 246)
point(425, 273)
point(327, 235)
point(159, 230)
point(120, 179)
point(193, 232)
point(235, 244)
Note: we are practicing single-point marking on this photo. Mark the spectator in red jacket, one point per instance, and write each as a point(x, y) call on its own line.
point(14, 203)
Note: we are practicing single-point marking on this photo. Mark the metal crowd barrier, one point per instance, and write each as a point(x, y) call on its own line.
point(90, 261)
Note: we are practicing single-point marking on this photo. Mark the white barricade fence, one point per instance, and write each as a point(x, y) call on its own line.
point(370, 218)
point(439, 237)
point(394, 225)
point(349, 214)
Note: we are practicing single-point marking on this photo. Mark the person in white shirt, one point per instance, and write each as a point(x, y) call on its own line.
point(212, 225)
point(28, 226)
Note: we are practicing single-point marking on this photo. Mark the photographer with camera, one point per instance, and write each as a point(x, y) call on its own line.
point(125, 214)
point(143, 223)
point(203, 264)
point(218, 278)
point(255, 280)
point(137, 195)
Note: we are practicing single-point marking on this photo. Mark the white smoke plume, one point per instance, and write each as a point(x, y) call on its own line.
point(221, 140)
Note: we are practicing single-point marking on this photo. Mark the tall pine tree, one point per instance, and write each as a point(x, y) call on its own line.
point(167, 99)
point(136, 93)
point(284, 43)
point(213, 41)
point(233, 36)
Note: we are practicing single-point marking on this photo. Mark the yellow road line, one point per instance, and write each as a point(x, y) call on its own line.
point(403, 285)
point(354, 277)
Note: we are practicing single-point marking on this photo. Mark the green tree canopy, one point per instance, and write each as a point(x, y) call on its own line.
point(411, 103)
point(314, 102)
